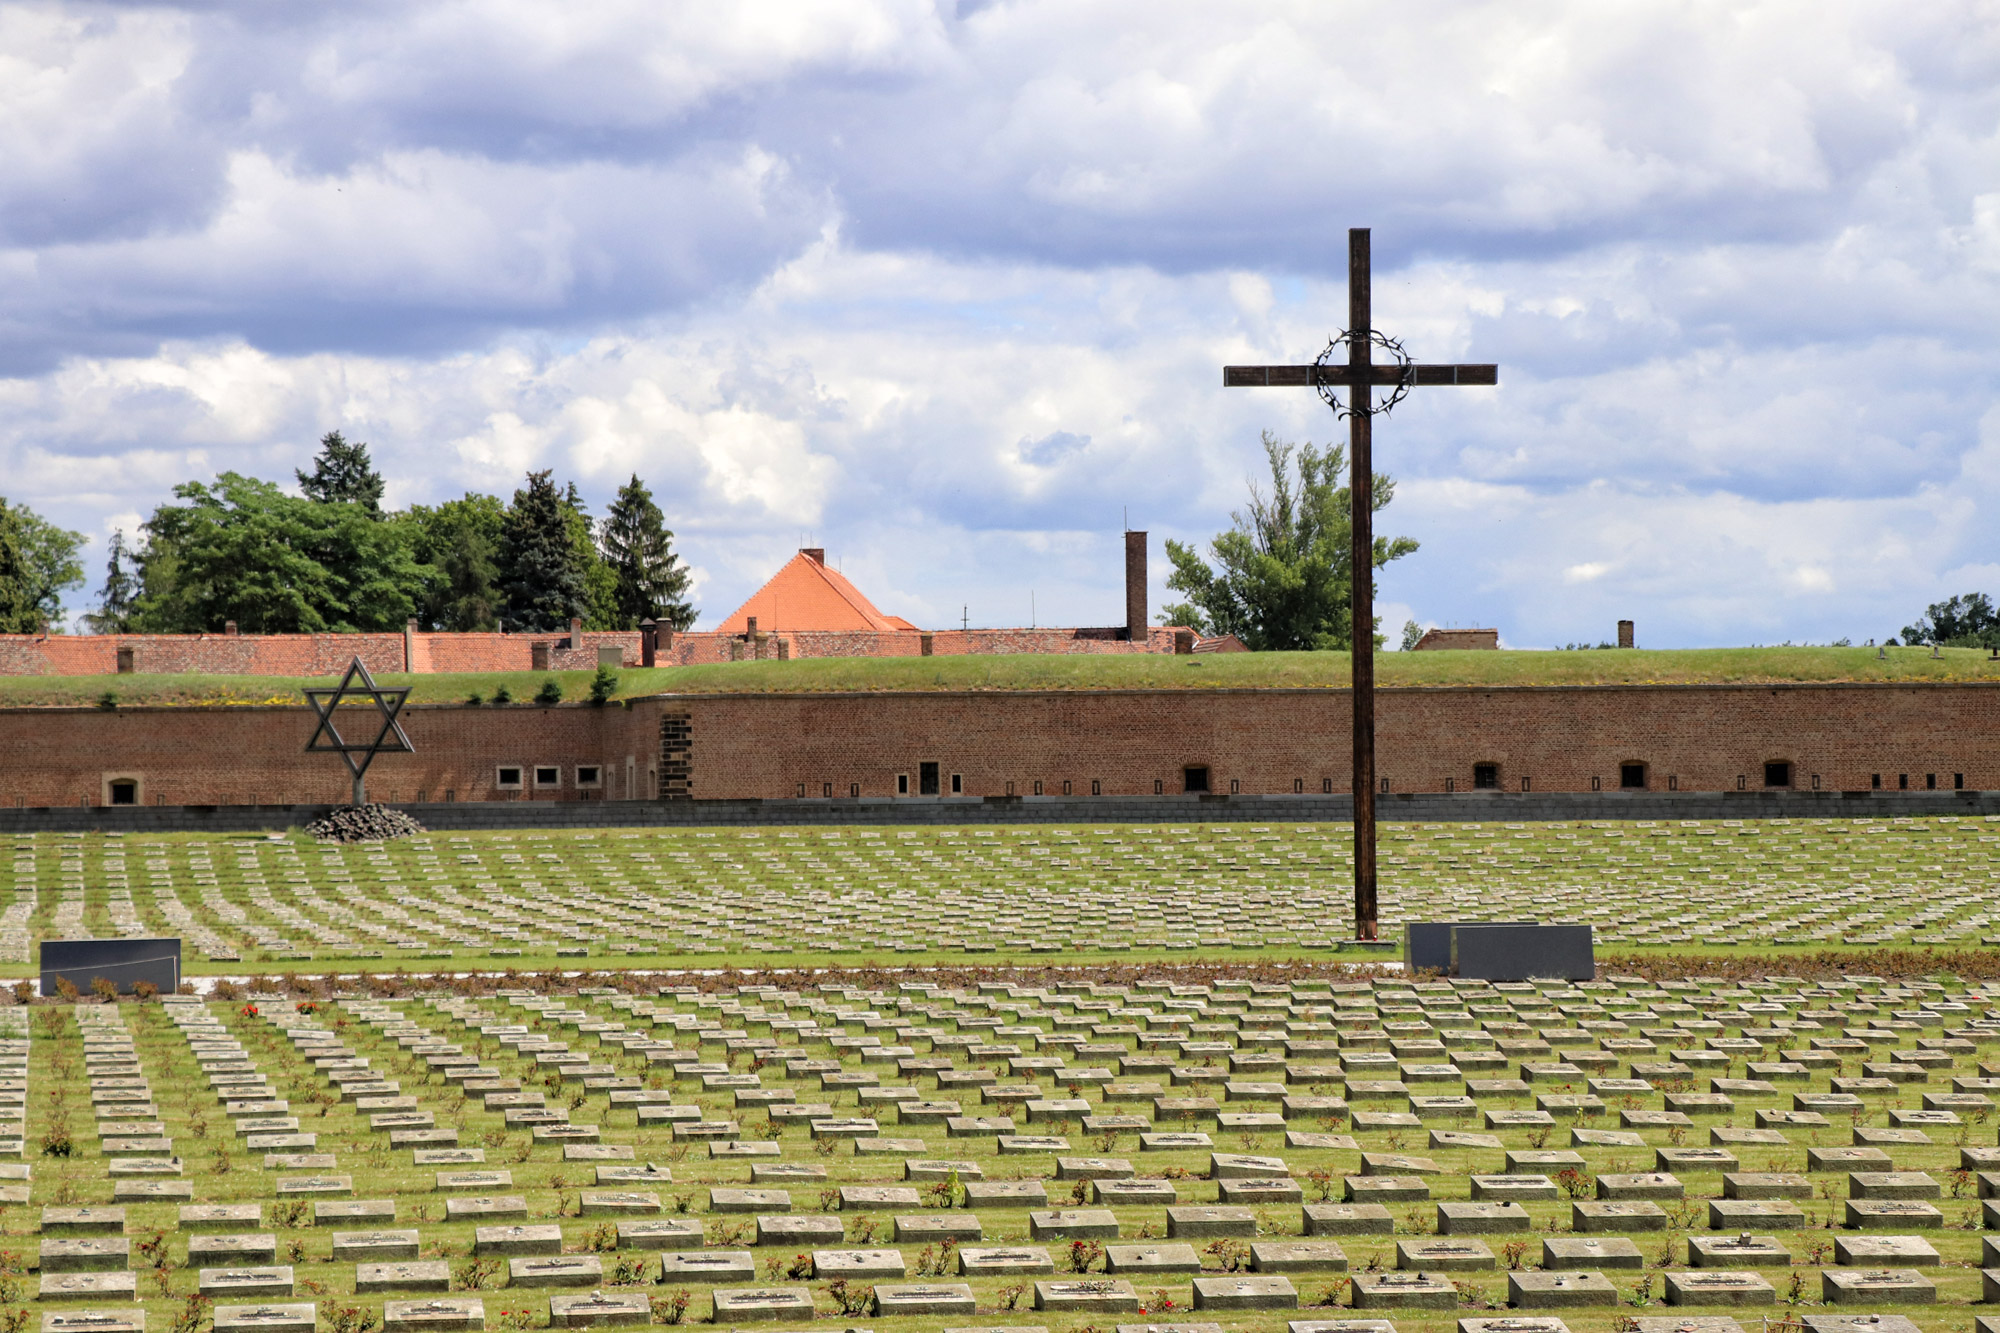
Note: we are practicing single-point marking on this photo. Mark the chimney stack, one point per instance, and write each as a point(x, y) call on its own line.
point(1624, 634)
point(1135, 586)
point(816, 554)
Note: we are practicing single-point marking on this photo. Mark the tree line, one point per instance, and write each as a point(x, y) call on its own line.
point(330, 559)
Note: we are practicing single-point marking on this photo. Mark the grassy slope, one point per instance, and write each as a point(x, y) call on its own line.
point(1037, 672)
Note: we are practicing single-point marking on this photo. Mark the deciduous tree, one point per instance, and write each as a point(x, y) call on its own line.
point(1282, 577)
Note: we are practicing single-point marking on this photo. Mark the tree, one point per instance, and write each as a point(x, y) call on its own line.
point(542, 573)
point(1284, 579)
point(1965, 621)
point(38, 563)
point(600, 583)
point(458, 546)
point(243, 550)
point(1413, 634)
point(652, 581)
point(342, 474)
point(114, 602)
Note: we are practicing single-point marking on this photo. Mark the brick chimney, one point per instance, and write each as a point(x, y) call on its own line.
point(816, 554)
point(1135, 586)
point(1624, 634)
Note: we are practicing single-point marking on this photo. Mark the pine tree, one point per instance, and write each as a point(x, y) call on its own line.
point(652, 581)
point(342, 474)
point(114, 603)
point(542, 577)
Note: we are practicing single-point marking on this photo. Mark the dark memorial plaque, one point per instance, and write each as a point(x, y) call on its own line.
point(1523, 952)
point(124, 962)
point(1427, 944)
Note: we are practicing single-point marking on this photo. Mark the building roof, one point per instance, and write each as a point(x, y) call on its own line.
point(805, 595)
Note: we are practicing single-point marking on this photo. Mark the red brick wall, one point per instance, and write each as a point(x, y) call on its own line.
point(1702, 737)
point(329, 654)
point(252, 756)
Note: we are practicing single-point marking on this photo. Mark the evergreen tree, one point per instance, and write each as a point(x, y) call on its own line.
point(542, 574)
point(652, 581)
point(114, 603)
point(1285, 580)
point(342, 474)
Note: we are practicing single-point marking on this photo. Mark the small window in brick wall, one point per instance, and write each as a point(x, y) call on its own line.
point(902, 784)
point(548, 775)
point(1194, 778)
point(1485, 777)
point(1777, 773)
point(927, 778)
point(1631, 775)
point(957, 784)
point(589, 775)
point(124, 791)
point(507, 776)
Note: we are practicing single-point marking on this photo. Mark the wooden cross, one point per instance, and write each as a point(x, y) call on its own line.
point(1358, 377)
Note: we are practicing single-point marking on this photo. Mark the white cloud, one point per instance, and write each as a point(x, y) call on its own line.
point(949, 286)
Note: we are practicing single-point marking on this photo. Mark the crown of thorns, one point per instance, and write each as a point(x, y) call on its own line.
point(1359, 399)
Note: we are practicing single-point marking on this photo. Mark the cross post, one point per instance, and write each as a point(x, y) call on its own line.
point(1358, 374)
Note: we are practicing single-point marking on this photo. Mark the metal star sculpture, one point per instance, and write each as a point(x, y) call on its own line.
point(388, 703)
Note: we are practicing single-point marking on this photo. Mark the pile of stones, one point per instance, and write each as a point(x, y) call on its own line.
point(364, 823)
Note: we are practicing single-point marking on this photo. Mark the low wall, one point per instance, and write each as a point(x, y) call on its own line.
point(426, 653)
point(1435, 808)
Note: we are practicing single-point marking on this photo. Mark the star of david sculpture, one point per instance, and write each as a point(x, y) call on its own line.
point(358, 755)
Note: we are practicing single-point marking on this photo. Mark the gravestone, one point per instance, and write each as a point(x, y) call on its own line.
point(1521, 952)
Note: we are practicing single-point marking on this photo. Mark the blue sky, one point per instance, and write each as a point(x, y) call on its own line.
point(946, 287)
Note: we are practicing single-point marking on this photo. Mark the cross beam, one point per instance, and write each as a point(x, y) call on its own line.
point(1357, 377)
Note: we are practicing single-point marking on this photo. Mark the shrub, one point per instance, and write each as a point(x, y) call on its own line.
point(226, 990)
point(24, 992)
point(56, 1141)
point(66, 990)
point(108, 699)
point(503, 695)
point(603, 685)
point(144, 990)
point(671, 1309)
point(473, 700)
point(550, 693)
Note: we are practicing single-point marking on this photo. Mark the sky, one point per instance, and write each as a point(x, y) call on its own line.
point(945, 286)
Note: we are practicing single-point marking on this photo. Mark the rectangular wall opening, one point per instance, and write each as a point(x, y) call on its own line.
point(1632, 776)
point(1485, 777)
point(1194, 778)
point(927, 778)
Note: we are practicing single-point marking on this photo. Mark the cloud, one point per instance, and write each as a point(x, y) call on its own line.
point(947, 286)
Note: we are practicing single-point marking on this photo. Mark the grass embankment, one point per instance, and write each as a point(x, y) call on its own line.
point(1249, 671)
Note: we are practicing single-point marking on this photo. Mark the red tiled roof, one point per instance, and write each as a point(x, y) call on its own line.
point(805, 595)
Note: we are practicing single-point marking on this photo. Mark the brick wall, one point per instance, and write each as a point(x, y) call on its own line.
point(1692, 738)
point(1688, 738)
point(426, 653)
point(256, 756)
point(1437, 639)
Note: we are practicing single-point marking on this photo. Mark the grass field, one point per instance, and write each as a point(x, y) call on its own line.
point(599, 1116)
point(1043, 672)
point(877, 897)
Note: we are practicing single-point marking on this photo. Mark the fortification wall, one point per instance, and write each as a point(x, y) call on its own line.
point(1687, 738)
point(1079, 744)
point(256, 755)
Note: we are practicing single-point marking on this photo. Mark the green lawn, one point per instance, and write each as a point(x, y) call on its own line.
point(1086, 672)
point(1008, 896)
